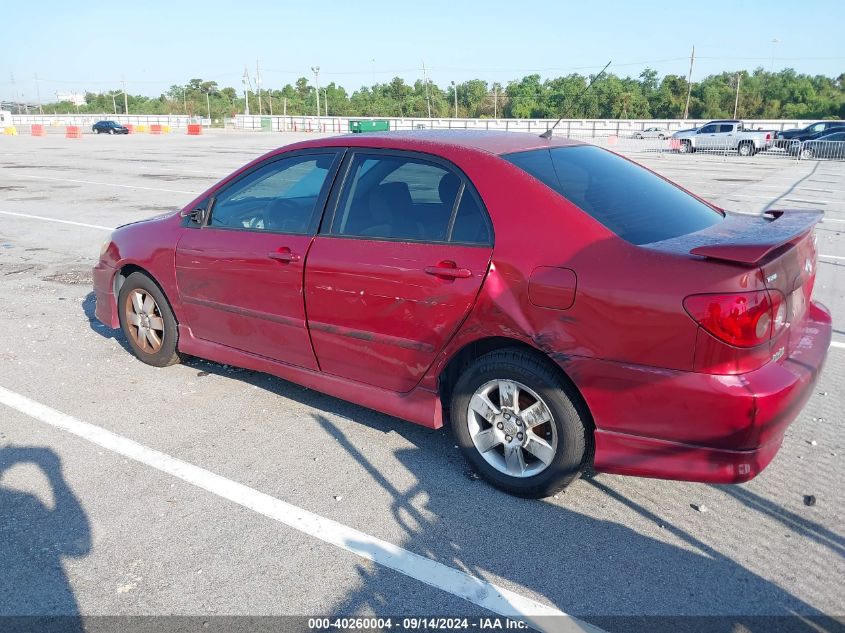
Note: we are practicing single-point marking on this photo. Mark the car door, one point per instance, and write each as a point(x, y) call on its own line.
point(240, 269)
point(395, 268)
point(704, 138)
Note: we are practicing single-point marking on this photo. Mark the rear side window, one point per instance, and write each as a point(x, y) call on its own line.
point(407, 198)
point(634, 203)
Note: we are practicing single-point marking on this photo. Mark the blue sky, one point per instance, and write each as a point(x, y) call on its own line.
point(77, 46)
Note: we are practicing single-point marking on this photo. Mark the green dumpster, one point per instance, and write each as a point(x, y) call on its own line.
point(357, 126)
point(266, 124)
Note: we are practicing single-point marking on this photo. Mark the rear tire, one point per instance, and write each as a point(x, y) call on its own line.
point(531, 447)
point(746, 149)
point(147, 321)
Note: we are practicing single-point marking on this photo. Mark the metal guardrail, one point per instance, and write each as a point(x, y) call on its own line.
point(667, 147)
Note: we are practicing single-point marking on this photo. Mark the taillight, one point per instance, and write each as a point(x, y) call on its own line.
point(744, 319)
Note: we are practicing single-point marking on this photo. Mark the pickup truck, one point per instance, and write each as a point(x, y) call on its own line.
point(722, 135)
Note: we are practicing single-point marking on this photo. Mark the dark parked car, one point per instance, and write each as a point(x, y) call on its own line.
point(559, 305)
point(819, 128)
point(109, 127)
point(831, 145)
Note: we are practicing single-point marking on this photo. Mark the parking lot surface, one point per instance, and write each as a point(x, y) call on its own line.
point(88, 528)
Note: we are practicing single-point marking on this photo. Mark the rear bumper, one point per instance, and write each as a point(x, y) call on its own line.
point(701, 427)
point(106, 310)
point(648, 457)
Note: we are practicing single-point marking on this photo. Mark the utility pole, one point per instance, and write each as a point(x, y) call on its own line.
point(425, 82)
point(495, 101)
point(38, 94)
point(125, 97)
point(326, 102)
point(775, 42)
point(185, 98)
point(113, 102)
point(245, 79)
point(17, 94)
point(689, 82)
point(736, 101)
point(455, 93)
point(316, 71)
point(208, 106)
point(258, 85)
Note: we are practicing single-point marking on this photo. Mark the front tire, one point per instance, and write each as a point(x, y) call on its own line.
point(806, 153)
point(519, 424)
point(147, 321)
point(685, 147)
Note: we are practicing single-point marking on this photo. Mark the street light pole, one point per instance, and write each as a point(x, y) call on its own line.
point(38, 93)
point(736, 101)
point(455, 92)
point(316, 71)
point(246, 94)
point(125, 98)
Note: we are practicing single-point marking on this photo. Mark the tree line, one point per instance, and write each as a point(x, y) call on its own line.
point(785, 94)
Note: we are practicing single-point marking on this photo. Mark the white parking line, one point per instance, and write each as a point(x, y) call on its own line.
point(830, 256)
point(837, 344)
point(105, 184)
point(41, 217)
point(485, 594)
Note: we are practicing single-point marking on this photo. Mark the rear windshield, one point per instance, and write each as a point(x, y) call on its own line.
point(637, 205)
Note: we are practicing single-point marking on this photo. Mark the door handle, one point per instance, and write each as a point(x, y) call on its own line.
point(448, 269)
point(283, 255)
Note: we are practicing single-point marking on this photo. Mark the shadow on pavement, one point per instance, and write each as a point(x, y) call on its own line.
point(597, 570)
point(33, 540)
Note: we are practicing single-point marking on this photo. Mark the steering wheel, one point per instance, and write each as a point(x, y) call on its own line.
point(281, 214)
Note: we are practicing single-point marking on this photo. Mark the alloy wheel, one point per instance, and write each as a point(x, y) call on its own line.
point(145, 322)
point(512, 428)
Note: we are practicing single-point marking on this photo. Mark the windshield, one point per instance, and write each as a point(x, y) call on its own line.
point(634, 203)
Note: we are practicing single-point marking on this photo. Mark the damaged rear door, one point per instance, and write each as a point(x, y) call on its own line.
point(396, 267)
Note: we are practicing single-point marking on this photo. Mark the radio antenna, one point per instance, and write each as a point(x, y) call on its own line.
point(573, 103)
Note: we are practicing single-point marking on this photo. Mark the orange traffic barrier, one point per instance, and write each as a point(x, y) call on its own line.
point(194, 129)
point(155, 129)
point(73, 131)
point(130, 127)
point(38, 130)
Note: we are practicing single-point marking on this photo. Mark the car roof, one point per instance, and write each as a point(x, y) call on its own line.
point(434, 140)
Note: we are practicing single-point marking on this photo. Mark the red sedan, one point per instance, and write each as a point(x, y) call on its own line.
point(560, 305)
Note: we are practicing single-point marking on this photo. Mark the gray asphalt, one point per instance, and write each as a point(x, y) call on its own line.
point(101, 535)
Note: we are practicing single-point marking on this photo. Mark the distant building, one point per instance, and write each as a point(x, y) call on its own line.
point(76, 98)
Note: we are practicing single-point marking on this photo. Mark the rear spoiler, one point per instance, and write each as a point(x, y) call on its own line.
point(748, 239)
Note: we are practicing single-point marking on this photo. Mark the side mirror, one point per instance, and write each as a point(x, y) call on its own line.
point(198, 215)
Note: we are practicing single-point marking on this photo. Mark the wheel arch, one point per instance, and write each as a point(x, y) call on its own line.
point(127, 269)
point(464, 356)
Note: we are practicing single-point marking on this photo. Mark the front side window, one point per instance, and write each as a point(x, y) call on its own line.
point(708, 129)
point(280, 196)
point(634, 203)
point(407, 198)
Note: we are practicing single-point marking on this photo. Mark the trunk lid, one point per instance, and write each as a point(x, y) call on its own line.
point(781, 246)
